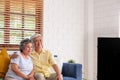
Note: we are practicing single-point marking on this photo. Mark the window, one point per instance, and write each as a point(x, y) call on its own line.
point(19, 19)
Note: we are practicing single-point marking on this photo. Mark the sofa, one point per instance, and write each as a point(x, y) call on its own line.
point(72, 71)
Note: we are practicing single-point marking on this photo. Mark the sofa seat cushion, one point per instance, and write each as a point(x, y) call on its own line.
point(69, 78)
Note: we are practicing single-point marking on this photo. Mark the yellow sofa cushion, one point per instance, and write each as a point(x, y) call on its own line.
point(4, 62)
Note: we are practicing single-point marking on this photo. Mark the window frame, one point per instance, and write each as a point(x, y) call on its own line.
point(38, 24)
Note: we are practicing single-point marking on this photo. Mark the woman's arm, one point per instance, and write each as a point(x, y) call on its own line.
point(17, 71)
point(31, 74)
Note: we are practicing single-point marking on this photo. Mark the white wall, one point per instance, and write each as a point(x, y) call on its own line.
point(107, 18)
point(68, 32)
point(64, 28)
point(89, 58)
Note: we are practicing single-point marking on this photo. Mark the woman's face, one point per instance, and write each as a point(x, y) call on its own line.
point(28, 49)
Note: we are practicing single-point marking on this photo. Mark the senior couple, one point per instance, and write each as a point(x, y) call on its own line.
point(33, 62)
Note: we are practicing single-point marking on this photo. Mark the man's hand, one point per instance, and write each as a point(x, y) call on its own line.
point(59, 77)
point(14, 55)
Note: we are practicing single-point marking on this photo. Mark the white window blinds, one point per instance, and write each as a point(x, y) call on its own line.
point(19, 19)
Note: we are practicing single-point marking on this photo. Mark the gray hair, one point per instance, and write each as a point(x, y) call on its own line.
point(23, 43)
point(34, 36)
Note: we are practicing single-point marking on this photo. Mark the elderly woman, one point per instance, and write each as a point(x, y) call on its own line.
point(21, 68)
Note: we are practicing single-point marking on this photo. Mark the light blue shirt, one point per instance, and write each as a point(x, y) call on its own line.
point(25, 66)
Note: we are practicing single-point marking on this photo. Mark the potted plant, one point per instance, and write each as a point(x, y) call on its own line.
point(71, 61)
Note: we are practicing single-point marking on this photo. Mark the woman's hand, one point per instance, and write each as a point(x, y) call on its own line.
point(30, 78)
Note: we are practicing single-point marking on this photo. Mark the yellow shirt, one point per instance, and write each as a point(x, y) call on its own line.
point(43, 62)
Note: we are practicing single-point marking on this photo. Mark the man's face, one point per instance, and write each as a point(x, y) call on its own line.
point(38, 42)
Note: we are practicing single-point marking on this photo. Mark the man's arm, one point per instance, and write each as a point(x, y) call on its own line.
point(14, 55)
point(57, 70)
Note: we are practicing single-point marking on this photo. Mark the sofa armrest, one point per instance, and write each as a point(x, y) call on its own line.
point(72, 70)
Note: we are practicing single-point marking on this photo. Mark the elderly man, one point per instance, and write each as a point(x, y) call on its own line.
point(43, 61)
